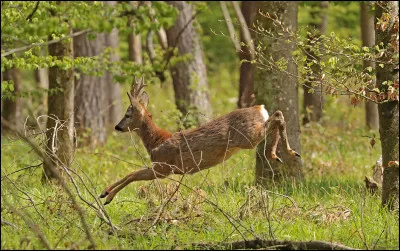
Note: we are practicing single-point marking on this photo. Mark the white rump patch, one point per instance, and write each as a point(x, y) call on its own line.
point(264, 113)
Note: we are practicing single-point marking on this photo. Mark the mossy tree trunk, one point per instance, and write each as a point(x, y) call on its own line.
point(61, 106)
point(388, 111)
point(189, 76)
point(113, 88)
point(90, 95)
point(278, 91)
point(368, 40)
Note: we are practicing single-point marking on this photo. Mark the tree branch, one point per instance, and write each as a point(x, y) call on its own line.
point(276, 244)
point(29, 18)
point(229, 24)
point(44, 43)
point(244, 28)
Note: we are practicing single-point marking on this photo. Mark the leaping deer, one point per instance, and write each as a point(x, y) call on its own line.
point(190, 151)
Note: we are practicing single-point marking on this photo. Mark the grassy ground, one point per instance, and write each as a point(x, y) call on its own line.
point(220, 204)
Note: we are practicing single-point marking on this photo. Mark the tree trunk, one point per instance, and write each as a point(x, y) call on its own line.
point(12, 109)
point(368, 40)
point(388, 111)
point(278, 91)
point(312, 102)
point(42, 81)
point(189, 77)
point(134, 42)
point(90, 95)
point(114, 103)
point(246, 82)
point(60, 110)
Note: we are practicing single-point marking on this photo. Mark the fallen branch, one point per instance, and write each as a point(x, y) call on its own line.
point(275, 244)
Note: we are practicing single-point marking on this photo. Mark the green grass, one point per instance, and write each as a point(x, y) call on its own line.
point(332, 205)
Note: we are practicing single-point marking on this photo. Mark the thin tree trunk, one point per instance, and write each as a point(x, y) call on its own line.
point(135, 48)
point(278, 91)
point(12, 109)
point(368, 39)
point(229, 25)
point(134, 41)
point(189, 77)
point(90, 97)
point(388, 111)
point(312, 102)
point(61, 106)
point(114, 91)
point(246, 81)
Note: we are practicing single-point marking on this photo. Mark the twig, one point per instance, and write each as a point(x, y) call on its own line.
point(49, 163)
point(229, 24)
point(44, 43)
point(244, 28)
point(29, 18)
point(4, 222)
point(25, 217)
point(27, 167)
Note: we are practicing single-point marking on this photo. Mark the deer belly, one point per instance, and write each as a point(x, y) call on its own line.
point(206, 159)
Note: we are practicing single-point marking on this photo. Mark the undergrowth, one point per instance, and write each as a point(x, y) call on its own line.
point(221, 204)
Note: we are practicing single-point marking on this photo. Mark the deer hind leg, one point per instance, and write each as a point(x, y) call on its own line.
point(275, 145)
point(277, 124)
point(283, 134)
point(159, 171)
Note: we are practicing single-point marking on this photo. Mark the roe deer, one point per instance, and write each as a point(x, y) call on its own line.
point(190, 151)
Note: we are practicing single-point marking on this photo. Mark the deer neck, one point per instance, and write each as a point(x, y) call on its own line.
point(151, 135)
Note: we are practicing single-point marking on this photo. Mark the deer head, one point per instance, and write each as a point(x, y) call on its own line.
point(137, 110)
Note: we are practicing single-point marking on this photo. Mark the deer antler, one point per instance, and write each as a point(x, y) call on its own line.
point(137, 92)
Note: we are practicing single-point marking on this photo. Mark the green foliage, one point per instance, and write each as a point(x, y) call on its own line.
point(332, 205)
point(334, 60)
point(51, 20)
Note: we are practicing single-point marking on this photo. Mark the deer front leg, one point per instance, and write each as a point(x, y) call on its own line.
point(158, 171)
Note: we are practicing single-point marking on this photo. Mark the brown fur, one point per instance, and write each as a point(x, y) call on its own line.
point(196, 149)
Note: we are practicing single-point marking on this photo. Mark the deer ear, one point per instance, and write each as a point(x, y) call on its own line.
point(144, 99)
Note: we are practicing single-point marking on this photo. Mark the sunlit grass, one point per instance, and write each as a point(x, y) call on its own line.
point(332, 204)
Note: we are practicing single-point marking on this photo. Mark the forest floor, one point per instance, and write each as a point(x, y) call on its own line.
point(221, 204)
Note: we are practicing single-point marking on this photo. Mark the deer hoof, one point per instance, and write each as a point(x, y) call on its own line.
point(104, 194)
point(294, 153)
point(107, 202)
point(278, 159)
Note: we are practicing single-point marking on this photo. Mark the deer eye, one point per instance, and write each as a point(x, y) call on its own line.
point(127, 116)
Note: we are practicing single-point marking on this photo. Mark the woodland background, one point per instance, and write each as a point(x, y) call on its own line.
point(330, 67)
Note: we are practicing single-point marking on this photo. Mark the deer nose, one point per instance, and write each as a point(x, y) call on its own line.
point(118, 128)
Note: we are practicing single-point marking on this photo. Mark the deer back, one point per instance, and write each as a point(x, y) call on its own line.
point(215, 141)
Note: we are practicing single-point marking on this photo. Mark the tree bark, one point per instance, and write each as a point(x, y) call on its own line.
point(90, 95)
point(60, 106)
point(368, 40)
point(134, 42)
point(114, 91)
point(388, 111)
point(312, 102)
point(229, 25)
point(12, 109)
point(189, 77)
point(246, 81)
point(278, 91)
